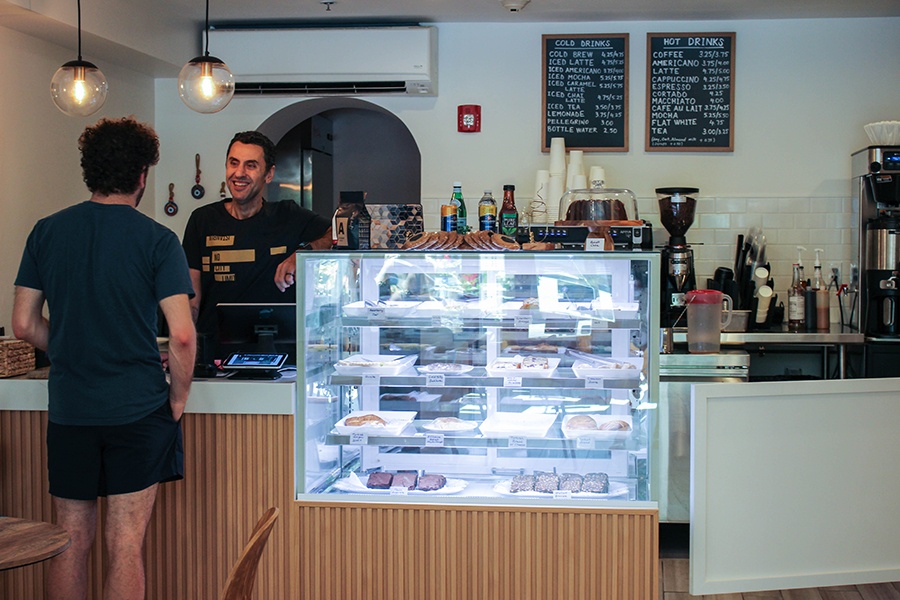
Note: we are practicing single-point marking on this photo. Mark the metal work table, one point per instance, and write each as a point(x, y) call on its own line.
point(836, 337)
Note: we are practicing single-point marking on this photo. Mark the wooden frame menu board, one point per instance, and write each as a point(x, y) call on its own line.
point(585, 91)
point(690, 92)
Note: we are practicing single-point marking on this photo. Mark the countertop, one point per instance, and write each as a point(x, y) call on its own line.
point(835, 336)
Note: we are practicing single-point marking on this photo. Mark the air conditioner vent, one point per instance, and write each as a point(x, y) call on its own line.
point(320, 88)
point(330, 61)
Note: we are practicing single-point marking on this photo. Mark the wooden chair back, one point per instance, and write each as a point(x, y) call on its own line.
point(243, 575)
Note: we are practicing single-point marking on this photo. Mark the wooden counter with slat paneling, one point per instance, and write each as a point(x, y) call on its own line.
point(238, 463)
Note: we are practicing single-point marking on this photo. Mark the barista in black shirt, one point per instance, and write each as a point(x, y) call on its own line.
point(241, 249)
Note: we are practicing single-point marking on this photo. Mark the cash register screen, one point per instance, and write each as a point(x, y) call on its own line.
point(260, 328)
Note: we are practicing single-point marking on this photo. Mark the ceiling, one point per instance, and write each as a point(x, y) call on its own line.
point(155, 36)
point(540, 10)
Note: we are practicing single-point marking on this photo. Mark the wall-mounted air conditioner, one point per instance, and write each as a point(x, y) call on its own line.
point(354, 61)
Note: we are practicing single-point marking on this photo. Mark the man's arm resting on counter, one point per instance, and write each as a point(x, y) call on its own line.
point(182, 350)
point(322, 243)
point(28, 319)
point(286, 270)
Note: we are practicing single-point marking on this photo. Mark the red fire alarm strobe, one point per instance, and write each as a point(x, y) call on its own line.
point(469, 118)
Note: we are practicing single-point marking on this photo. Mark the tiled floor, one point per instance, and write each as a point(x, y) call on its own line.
point(674, 574)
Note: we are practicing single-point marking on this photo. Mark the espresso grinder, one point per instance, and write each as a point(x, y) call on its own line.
point(676, 211)
point(877, 171)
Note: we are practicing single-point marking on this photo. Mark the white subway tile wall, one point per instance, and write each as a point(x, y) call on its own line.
point(826, 223)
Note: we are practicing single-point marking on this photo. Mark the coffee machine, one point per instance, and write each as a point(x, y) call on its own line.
point(876, 195)
point(676, 212)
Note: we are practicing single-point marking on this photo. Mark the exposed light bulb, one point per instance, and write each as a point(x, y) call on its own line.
point(206, 84)
point(78, 88)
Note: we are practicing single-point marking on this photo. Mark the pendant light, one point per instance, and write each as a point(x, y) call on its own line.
point(206, 84)
point(78, 88)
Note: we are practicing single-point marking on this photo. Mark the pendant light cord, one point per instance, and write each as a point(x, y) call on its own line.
point(206, 48)
point(79, 30)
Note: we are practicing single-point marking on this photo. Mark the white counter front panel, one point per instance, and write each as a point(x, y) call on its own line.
point(795, 485)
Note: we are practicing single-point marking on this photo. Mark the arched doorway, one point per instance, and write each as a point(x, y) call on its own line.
point(368, 148)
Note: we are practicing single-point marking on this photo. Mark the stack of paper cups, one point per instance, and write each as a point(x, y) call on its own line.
point(579, 182)
point(539, 208)
point(576, 168)
point(555, 191)
point(760, 277)
point(557, 156)
point(597, 177)
point(764, 295)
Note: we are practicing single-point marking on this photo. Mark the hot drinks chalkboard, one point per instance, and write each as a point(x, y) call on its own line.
point(690, 92)
point(585, 91)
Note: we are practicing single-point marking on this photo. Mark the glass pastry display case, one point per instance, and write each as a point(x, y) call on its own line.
point(494, 377)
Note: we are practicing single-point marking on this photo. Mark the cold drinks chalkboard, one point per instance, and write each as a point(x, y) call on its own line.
point(585, 91)
point(690, 92)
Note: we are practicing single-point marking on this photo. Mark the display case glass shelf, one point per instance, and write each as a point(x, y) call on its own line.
point(515, 377)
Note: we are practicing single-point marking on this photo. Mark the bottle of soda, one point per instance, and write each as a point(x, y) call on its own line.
point(456, 199)
point(509, 216)
point(487, 212)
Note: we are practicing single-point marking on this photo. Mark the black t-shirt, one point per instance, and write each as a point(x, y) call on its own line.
point(237, 259)
point(103, 270)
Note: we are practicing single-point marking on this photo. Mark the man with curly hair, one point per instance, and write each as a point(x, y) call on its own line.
point(104, 269)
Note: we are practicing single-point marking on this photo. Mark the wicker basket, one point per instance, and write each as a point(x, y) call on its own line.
point(16, 357)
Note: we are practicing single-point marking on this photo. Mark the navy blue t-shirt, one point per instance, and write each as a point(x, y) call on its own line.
point(103, 270)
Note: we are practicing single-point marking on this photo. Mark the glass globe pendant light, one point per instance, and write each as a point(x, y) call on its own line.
point(206, 84)
point(78, 88)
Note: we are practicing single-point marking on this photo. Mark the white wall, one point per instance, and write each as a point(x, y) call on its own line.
point(804, 89)
point(39, 144)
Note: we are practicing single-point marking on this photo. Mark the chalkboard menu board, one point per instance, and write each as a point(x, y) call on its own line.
point(585, 91)
point(690, 92)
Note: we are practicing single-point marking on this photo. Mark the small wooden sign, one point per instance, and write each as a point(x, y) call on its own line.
point(690, 92)
point(585, 91)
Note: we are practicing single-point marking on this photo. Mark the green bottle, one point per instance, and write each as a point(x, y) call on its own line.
point(457, 200)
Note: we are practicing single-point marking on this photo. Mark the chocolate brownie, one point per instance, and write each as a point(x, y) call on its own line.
point(405, 479)
point(431, 482)
point(379, 481)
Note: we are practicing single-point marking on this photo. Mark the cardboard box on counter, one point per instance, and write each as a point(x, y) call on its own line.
point(16, 357)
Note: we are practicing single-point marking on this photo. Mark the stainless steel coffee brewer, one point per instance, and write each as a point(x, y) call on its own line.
point(876, 190)
point(676, 212)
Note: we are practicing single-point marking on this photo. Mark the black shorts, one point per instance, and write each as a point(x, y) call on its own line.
point(86, 461)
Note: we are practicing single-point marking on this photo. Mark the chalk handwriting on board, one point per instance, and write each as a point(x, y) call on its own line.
point(690, 92)
point(585, 91)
